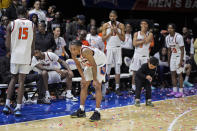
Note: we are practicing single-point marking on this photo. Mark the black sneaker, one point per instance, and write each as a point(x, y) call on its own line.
point(137, 103)
point(149, 103)
point(78, 114)
point(7, 110)
point(131, 91)
point(95, 117)
point(43, 101)
point(118, 92)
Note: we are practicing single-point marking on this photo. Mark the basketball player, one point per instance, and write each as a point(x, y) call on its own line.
point(176, 57)
point(141, 41)
point(48, 64)
point(114, 33)
point(20, 41)
point(94, 62)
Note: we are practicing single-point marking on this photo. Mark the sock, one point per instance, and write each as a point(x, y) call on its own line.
point(7, 102)
point(181, 90)
point(47, 94)
point(82, 107)
point(149, 100)
point(117, 86)
point(98, 109)
point(68, 92)
point(106, 85)
point(18, 106)
point(174, 89)
point(186, 78)
point(133, 87)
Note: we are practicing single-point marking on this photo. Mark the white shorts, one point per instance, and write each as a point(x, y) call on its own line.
point(19, 68)
point(137, 62)
point(101, 72)
point(174, 64)
point(114, 56)
point(54, 77)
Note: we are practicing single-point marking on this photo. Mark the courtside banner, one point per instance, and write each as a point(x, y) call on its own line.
point(144, 5)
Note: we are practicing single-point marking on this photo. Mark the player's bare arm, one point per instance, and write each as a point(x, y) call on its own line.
point(8, 38)
point(122, 34)
point(88, 54)
point(182, 54)
point(78, 65)
point(169, 55)
point(136, 42)
point(104, 34)
point(33, 42)
point(149, 38)
point(41, 67)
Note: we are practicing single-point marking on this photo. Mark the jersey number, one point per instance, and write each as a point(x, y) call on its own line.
point(23, 33)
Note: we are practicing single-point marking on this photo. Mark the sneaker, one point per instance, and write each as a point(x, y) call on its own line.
point(70, 96)
point(17, 112)
point(63, 94)
point(149, 103)
point(131, 91)
point(44, 101)
point(95, 117)
point(127, 61)
point(137, 103)
point(179, 95)
point(7, 110)
point(118, 92)
point(187, 84)
point(78, 114)
point(171, 93)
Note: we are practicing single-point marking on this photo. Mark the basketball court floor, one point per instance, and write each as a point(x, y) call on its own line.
point(118, 114)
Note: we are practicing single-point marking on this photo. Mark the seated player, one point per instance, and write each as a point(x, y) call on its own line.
point(48, 64)
point(144, 77)
point(94, 62)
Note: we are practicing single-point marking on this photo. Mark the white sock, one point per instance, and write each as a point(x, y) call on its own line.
point(18, 106)
point(117, 86)
point(186, 78)
point(98, 109)
point(174, 89)
point(181, 90)
point(47, 94)
point(134, 87)
point(106, 85)
point(7, 102)
point(103, 90)
point(68, 92)
point(82, 107)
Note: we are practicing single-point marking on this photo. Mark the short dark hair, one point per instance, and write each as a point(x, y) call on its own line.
point(145, 20)
point(154, 61)
point(173, 25)
point(114, 12)
point(21, 10)
point(76, 42)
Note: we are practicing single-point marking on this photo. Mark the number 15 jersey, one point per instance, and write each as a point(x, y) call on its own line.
point(21, 41)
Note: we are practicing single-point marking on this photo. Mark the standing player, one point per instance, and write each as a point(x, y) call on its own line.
point(20, 41)
point(141, 41)
point(176, 55)
point(94, 62)
point(114, 33)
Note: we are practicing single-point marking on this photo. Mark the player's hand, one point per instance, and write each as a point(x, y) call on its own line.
point(148, 77)
point(59, 72)
point(115, 29)
point(95, 83)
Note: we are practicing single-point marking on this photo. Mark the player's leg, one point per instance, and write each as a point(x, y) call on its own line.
point(138, 90)
point(21, 80)
point(147, 86)
point(45, 77)
point(10, 91)
point(188, 69)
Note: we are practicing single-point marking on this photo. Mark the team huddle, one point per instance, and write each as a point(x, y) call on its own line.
point(92, 63)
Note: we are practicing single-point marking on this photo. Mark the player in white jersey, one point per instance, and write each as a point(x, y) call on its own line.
point(141, 42)
point(94, 62)
point(176, 57)
point(20, 41)
point(114, 33)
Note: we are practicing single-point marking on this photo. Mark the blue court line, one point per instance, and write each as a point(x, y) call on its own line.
point(66, 107)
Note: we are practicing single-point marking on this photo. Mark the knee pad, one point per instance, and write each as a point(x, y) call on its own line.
point(117, 68)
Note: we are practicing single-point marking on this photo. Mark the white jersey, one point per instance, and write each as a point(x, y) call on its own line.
point(21, 41)
point(50, 62)
point(114, 40)
point(99, 57)
point(142, 50)
point(128, 43)
point(96, 41)
point(175, 42)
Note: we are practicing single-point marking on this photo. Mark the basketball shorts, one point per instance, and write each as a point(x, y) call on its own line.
point(174, 64)
point(137, 61)
point(114, 56)
point(19, 68)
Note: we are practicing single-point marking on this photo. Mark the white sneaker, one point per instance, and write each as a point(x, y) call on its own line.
point(70, 96)
point(63, 94)
point(127, 61)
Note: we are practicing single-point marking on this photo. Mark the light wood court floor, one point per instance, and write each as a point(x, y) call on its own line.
point(174, 114)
